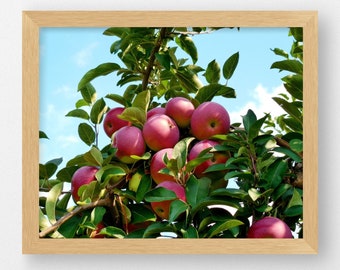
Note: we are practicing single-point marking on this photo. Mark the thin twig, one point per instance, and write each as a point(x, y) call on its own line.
point(76, 211)
point(153, 57)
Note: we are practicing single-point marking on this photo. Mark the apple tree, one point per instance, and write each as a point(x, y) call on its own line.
point(171, 152)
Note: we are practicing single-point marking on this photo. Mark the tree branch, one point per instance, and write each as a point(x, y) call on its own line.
point(153, 57)
point(76, 211)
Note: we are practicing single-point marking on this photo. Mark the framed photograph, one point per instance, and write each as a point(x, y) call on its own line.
point(170, 132)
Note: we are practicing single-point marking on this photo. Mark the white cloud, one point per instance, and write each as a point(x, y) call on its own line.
point(65, 141)
point(262, 103)
point(83, 56)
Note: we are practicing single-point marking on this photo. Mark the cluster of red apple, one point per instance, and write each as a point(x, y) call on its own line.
point(163, 129)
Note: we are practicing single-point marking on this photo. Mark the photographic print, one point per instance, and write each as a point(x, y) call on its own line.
point(173, 133)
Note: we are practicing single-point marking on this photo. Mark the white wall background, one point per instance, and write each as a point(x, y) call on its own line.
point(10, 153)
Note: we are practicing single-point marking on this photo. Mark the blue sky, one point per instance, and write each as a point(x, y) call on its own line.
point(66, 54)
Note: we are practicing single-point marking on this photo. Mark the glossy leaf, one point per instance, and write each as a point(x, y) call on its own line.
point(94, 157)
point(51, 202)
point(213, 72)
point(275, 173)
point(88, 93)
point(66, 173)
point(101, 70)
point(219, 227)
point(230, 65)
point(114, 232)
point(208, 92)
point(177, 207)
point(248, 120)
point(197, 190)
point(289, 65)
point(144, 186)
point(188, 46)
point(98, 110)
point(141, 213)
point(86, 133)
point(160, 194)
point(135, 115)
point(79, 113)
point(289, 153)
point(97, 214)
point(118, 98)
point(42, 135)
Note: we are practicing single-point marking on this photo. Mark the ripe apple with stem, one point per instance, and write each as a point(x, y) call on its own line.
point(160, 131)
point(209, 119)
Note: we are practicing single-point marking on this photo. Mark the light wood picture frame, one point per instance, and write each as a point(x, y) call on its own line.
point(32, 21)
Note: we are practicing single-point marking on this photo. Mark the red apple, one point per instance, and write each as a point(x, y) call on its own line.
point(157, 164)
point(162, 209)
point(129, 141)
point(209, 119)
point(180, 109)
point(269, 227)
point(156, 110)
point(111, 121)
point(218, 157)
point(82, 176)
point(160, 131)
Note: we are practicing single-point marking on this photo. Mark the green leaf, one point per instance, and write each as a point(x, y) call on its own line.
point(187, 45)
point(230, 65)
point(116, 31)
point(86, 133)
point(295, 205)
point(70, 227)
point(51, 202)
point(255, 128)
point(118, 98)
point(114, 232)
point(110, 174)
point(177, 207)
point(142, 100)
point(197, 190)
point(208, 92)
point(248, 120)
point(180, 151)
point(219, 227)
point(135, 115)
point(43, 221)
point(231, 192)
point(89, 192)
point(290, 108)
point(98, 109)
point(94, 157)
point(156, 228)
point(281, 52)
point(213, 72)
point(297, 33)
point(141, 213)
point(289, 65)
point(97, 214)
point(65, 174)
point(288, 153)
point(164, 60)
point(191, 232)
point(63, 202)
point(144, 186)
point(296, 145)
point(81, 103)
point(42, 135)
point(275, 173)
point(47, 170)
point(160, 194)
point(188, 80)
point(88, 93)
point(79, 113)
point(101, 70)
